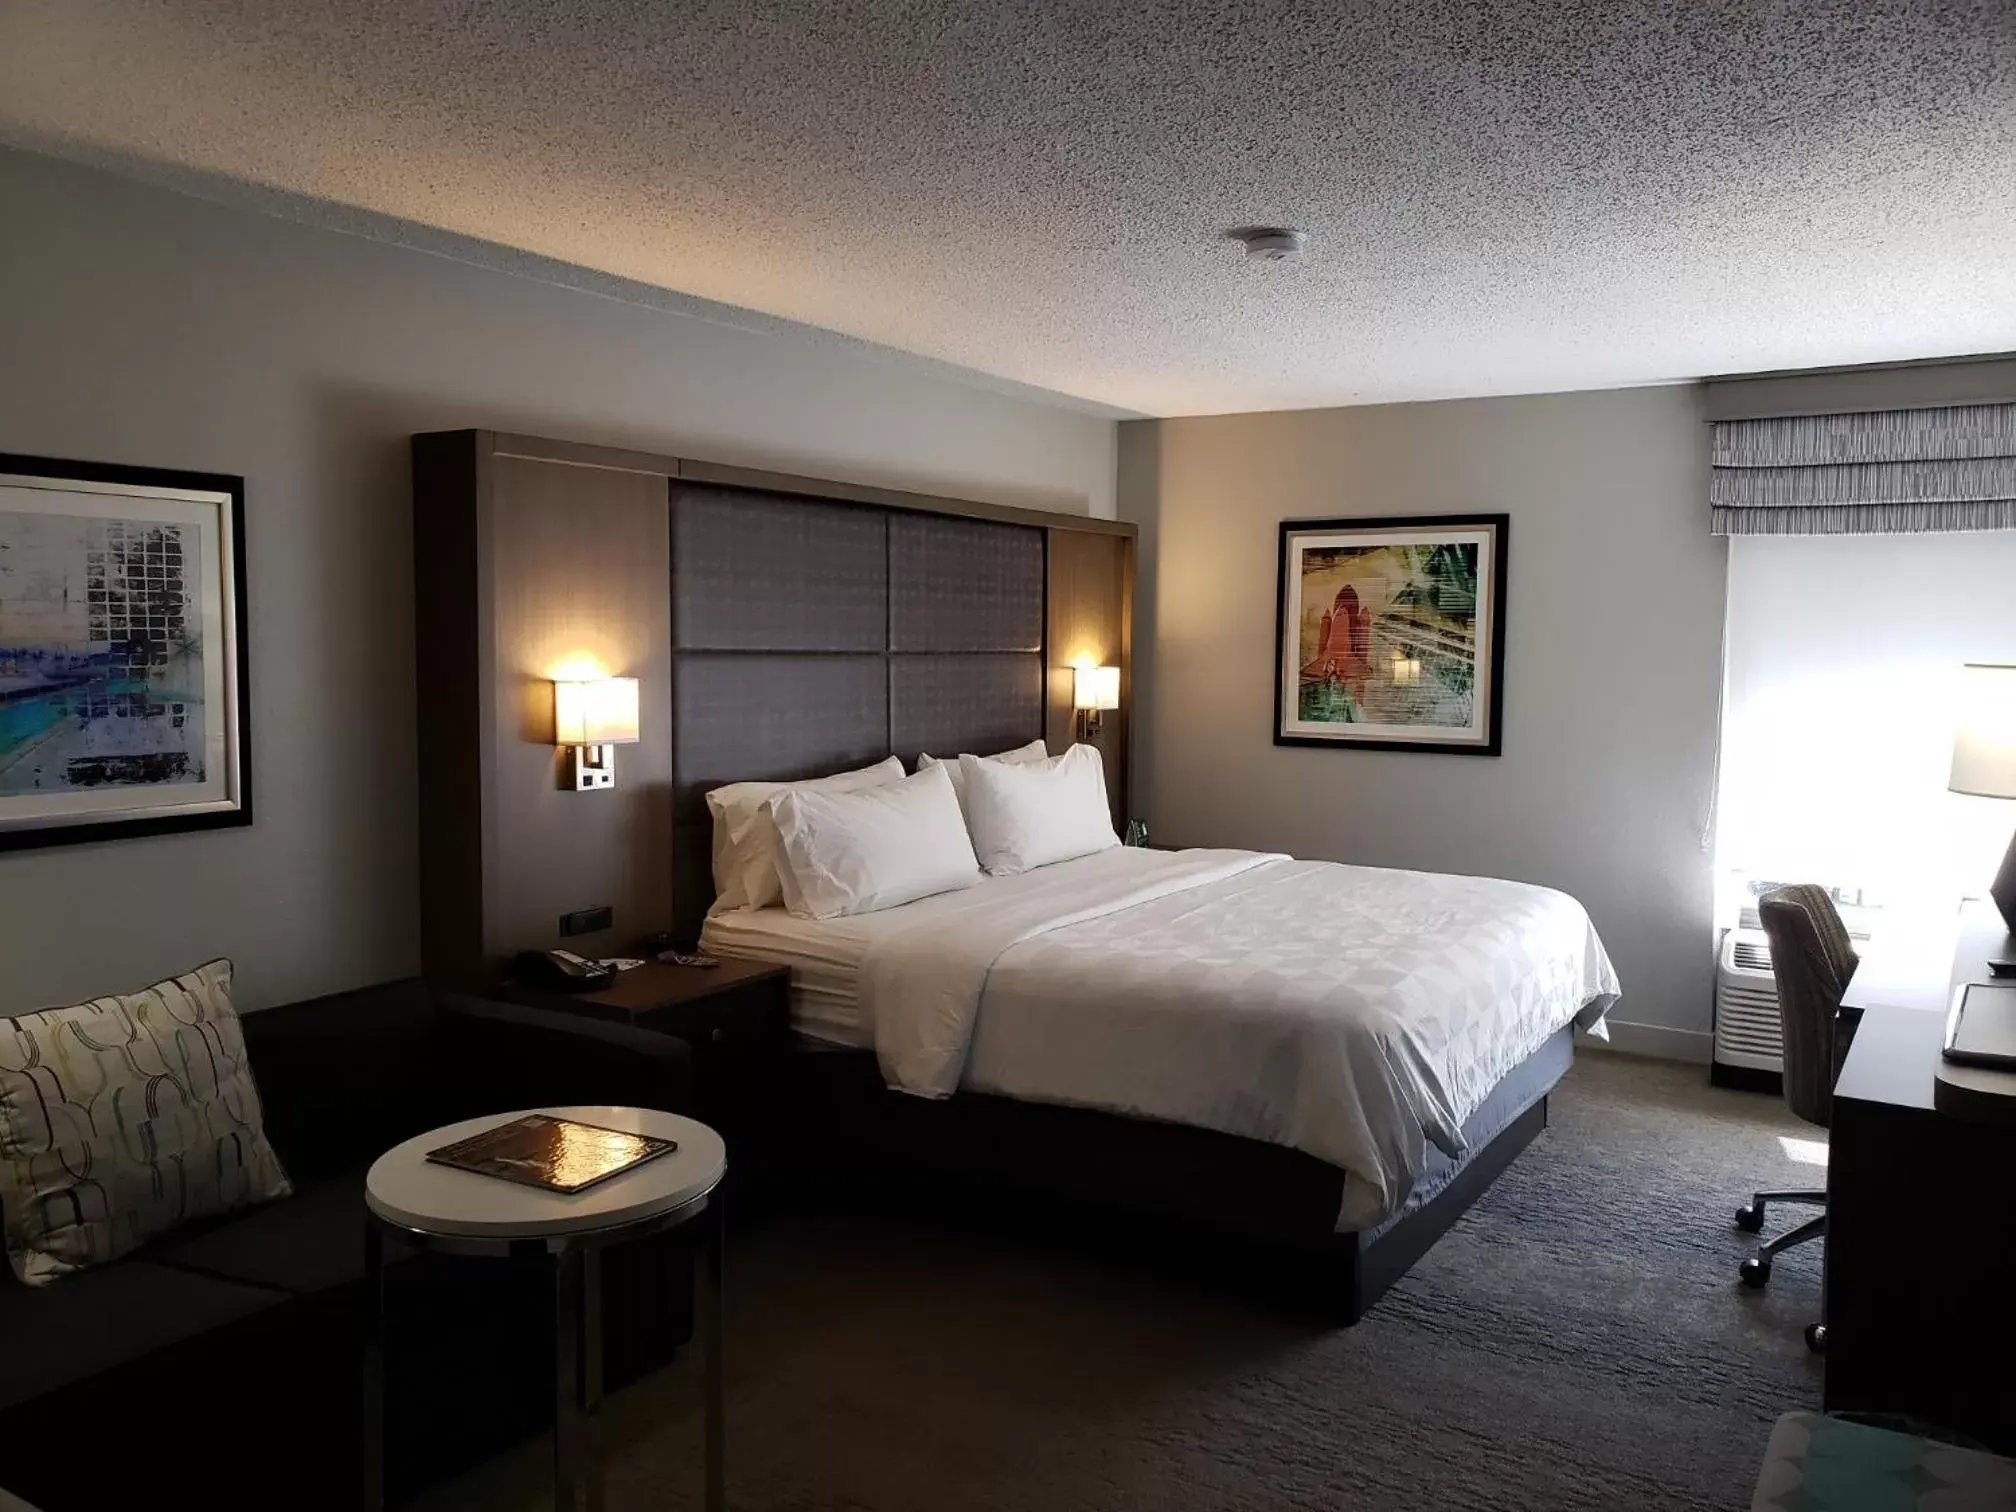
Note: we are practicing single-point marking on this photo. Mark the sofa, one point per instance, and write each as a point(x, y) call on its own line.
point(223, 1361)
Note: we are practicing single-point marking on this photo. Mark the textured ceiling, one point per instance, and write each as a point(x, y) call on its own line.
point(1502, 197)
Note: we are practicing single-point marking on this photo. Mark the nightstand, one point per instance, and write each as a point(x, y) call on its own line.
point(735, 1018)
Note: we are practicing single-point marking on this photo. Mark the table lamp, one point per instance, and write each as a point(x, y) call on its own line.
point(1984, 757)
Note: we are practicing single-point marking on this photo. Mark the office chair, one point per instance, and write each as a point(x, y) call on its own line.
point(1811, 960)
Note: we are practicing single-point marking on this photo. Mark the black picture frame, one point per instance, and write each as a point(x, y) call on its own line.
point(1493, 531)
point(225, 493)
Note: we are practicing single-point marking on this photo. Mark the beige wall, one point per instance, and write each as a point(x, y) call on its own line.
point(1613, 637)
point(145, 327)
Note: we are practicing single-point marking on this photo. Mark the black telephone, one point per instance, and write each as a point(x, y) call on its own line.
point(561, 971)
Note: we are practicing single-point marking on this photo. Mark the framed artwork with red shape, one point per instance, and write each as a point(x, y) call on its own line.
point(1391, 633)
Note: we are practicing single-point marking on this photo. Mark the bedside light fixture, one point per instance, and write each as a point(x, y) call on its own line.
point(593, 717)
point(1093, 691)
point(1984, 757)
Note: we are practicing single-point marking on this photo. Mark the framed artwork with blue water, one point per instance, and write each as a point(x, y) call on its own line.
point(1391, 633)
point(124, 694)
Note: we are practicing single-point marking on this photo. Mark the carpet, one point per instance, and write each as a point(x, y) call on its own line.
point(1577, 1340)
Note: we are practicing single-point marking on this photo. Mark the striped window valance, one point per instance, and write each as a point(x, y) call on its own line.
point(1881, 472)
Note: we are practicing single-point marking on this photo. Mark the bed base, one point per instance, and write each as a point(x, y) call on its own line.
point(1198, 1202)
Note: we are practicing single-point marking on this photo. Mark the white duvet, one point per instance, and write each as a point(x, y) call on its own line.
point(1353, 1013)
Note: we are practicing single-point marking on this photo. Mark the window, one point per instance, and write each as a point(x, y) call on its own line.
point(1842, 658)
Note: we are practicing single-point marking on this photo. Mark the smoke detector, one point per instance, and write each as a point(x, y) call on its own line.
point(1269, 243)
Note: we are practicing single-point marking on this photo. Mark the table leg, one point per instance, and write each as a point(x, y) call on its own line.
point(591, 1375)
point(567, 1307)
point(374, 1365)
point(714, 1234)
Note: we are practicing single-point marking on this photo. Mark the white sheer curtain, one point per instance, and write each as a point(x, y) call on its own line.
point(1842, 660)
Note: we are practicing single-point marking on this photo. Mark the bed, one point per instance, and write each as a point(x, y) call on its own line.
point(1117, 1042)
point(1313, 1053)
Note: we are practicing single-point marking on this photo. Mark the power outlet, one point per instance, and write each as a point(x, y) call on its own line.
point(587, 921)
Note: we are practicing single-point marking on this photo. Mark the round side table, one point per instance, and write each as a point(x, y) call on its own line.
point(440, 1208)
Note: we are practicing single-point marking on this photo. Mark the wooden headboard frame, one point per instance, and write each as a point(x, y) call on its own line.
point(779, 626)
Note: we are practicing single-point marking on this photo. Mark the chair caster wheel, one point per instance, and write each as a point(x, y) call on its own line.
point(1816, 1337)
point(1750, 1218)
point(1755, 1272)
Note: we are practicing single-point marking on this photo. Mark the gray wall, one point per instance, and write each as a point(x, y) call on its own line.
point(145, 327)
point(1613, 659)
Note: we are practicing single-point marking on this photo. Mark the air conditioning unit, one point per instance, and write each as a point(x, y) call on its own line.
point(1748, 1034)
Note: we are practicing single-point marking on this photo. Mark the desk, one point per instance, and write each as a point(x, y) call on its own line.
point(1921, 1231)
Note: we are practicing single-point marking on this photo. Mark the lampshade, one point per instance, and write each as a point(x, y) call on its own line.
point(1095, 687)
point(1984, 745)
point(602, 712)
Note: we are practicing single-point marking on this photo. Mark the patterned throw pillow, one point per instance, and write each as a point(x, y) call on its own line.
point(122, 1117)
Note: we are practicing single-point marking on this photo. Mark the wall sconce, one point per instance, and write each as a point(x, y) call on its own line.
point(594, 717)
point(1093, 690)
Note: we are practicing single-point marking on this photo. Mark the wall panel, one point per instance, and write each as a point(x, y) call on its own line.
point(1091, 615)
point(578, 560)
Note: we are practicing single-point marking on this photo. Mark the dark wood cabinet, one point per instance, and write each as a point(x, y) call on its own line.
point(736, 1019)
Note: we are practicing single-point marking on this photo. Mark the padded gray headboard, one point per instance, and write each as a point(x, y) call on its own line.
point(809, 636)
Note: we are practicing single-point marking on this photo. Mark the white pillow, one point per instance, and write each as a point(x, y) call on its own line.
point(747, 856)
point(853, 853)
point(1034, 751)
point(1029, 814)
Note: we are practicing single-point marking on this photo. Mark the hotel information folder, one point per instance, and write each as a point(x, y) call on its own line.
point(553, 1154)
